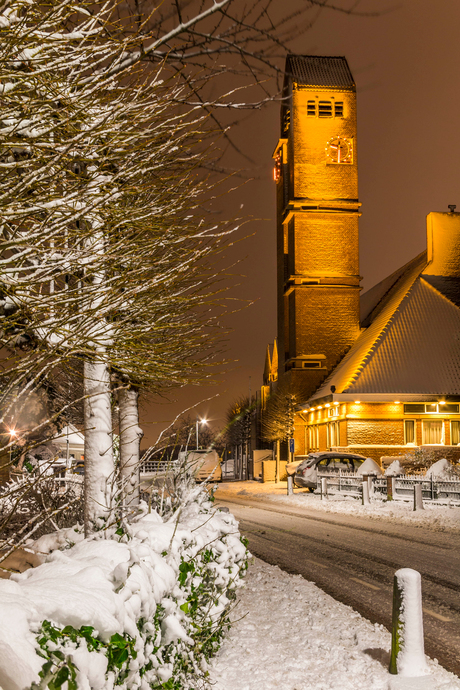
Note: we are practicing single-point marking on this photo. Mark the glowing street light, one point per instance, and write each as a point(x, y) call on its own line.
point(199, 421)
point(13, 433)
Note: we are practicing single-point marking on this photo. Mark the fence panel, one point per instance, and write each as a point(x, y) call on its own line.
point(350, 483)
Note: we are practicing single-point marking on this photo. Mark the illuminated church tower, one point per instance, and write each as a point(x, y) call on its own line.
point(317, 220)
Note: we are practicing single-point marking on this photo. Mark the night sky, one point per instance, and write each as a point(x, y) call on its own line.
point(406, 64)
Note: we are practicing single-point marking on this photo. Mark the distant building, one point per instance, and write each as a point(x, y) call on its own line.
point(378, 375)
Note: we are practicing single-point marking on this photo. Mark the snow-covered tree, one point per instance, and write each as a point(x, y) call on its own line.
point(107, 260)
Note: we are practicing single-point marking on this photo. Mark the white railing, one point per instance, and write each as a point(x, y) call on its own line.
point(351, 484)
point(158, 466)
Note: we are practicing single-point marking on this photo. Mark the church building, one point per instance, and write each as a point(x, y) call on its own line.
point(376, 374)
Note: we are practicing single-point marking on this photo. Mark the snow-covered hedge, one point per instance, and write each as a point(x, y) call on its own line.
point(140, 607)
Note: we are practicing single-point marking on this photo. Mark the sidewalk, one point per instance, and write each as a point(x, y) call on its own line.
point(437, 517)
point(289, 635)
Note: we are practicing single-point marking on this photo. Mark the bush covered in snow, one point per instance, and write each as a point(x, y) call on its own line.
point(140, 606)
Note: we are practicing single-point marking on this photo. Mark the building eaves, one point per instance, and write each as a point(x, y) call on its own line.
point(419, 350)
point(315, 70)
point(349, 369)
point(373, 300)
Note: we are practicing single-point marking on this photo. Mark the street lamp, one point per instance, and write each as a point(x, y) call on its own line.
point(13, 434)
point(199, 421)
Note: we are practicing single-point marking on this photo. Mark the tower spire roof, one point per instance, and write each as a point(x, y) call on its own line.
point(317, 70)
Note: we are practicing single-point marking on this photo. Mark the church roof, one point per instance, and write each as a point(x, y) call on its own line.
point(412, 341)
point(315, 70)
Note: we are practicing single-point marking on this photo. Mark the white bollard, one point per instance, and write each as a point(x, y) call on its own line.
point(290, 485)
point(323, 488)
point(407, 644)
point(365, 492)
point(418, 498)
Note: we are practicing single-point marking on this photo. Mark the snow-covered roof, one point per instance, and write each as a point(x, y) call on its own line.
point(75, 437)
point(411, 344)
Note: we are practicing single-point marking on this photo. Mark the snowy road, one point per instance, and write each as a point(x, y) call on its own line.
point(354, 560)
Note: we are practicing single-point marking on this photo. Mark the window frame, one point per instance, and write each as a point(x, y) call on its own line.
point(406, 442)
point(429, 421)
point(452, 422)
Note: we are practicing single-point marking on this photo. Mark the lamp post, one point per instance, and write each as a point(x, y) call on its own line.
point(13, 434)
point(199, 421)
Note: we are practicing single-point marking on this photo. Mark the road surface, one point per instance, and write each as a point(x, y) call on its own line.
point(354, 560)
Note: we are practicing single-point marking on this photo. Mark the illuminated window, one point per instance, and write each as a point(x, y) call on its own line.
point(333, 434)
point(449, 408)
point(409, 432)
point(287, 120)
point(455, 433)
point(325, 109)
point(311, 108)
point(414, 408)
point(338, 109)
point(433, 432)
point(277, 168)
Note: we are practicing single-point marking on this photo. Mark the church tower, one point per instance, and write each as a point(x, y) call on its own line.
point(317, 220)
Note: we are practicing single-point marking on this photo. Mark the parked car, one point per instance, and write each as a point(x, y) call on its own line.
point(329, 462)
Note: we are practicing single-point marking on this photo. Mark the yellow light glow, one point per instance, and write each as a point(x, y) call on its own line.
point(319, 407)
point(357, 402)
point(396, 402)
point(336, 403)
point(327, 405)
point(442, 402)
point(303, 411)
point(12, 432)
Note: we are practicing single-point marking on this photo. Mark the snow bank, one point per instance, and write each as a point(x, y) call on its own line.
point(289, 635)
point(129, 608)
point(439, 517)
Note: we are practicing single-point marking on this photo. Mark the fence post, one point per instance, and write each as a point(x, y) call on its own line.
point(418, 498)
point(370, 483)
point(323, 488)
point(432, 488)
point(407, 644)
point(391, 485)
point(365, 495)
point(290, 485)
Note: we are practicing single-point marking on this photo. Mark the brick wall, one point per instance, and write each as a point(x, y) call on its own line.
point(381, 431)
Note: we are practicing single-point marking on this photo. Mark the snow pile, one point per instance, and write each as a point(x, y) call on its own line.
point(394, 469)
point(369, 466)
point(132, 607)
point(442, 469)
point(290, 635)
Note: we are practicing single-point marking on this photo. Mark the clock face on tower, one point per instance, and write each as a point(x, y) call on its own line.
point(339, 150)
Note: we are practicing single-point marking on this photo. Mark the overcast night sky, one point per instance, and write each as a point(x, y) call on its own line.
point(406, 64)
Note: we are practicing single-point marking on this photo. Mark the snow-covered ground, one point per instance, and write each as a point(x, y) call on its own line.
point(289, 635)
point(438, 517)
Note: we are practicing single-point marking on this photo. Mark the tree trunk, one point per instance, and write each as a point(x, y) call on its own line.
point(130, 438)
point(99, 465)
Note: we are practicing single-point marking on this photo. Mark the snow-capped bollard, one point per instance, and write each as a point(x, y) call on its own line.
point(290, 485)
point(323, 488)
point(418, 498)
point(365, 491)
point(407, 644)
